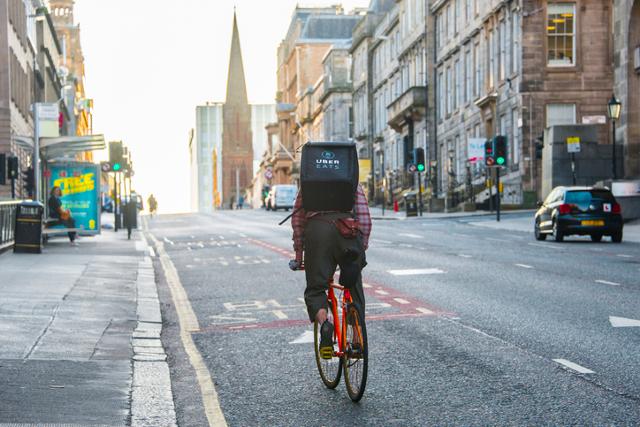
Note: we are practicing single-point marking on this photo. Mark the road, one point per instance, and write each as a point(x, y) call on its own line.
point(467, 326)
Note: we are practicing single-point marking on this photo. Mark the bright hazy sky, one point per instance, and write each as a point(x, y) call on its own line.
point(148, 63)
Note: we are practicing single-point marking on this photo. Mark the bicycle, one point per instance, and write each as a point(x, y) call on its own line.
point(350, 348)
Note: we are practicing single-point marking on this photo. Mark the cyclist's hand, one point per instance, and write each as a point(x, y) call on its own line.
point(294, 265)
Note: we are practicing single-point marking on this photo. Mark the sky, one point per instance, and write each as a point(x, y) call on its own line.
point(149, 63)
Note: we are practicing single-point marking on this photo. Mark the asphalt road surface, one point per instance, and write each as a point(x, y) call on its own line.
point(467, 326)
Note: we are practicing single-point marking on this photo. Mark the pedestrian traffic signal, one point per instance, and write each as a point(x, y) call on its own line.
point(489, 158)
point(12, 167)
point(500, 150)
point(29, 181)
point(418, 159)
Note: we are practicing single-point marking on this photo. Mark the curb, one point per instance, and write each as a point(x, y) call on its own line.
point(151, 394)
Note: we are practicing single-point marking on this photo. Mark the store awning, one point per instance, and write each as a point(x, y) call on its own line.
point(69, 146)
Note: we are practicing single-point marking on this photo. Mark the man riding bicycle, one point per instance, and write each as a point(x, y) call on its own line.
point(321, 242)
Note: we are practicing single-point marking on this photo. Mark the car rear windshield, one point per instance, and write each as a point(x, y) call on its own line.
point(287, 191)
point(584, 197)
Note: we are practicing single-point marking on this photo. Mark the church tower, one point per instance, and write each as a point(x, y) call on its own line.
point(237, 149)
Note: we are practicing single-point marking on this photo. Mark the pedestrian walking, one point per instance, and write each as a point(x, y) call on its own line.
point(153, 204)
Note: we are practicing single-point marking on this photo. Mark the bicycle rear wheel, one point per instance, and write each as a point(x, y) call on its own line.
point(329, 369)
point(356, 356)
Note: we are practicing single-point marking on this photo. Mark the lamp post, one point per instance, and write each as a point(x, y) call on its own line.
point(613, 109)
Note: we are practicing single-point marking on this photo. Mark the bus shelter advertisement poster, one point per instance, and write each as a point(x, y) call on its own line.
point(80, 186)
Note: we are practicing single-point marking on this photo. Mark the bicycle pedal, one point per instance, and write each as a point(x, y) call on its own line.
point(326, 352)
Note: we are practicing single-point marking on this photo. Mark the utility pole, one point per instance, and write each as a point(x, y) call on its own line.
point(237, 186)
point(115, 202)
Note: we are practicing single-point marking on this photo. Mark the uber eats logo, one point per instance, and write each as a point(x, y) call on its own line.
point(327, 160)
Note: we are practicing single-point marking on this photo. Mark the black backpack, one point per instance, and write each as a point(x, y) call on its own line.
point(329, 176)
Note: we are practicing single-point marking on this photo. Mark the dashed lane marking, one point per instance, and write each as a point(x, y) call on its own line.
point(280, 314)
point(465, 256)
point(523, 266)
point(366, 286)
point(493, 239)
point(606, 282)
point(625, 256)
point(573, 366)
point(460, 235)
point(416, 271)
point(384, 242)
point(381, 292)
point(189, 322)
point(623, 322)
point(401, 301)
point(424, 310)
point(540, 245)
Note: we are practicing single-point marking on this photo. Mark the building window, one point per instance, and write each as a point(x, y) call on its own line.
point(477, 68)
point(561, 25)
point(515, 41)
point(449, 90)
point(467, 10)
point(457, 82)
point(440, 96)
point(561, 114)
point(450, 29)
point(515, 138)
point(492, 58)
point(456, 16)
point(503, 50)
point(467, 76)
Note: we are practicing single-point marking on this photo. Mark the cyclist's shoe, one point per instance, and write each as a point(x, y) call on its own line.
point(326, 340)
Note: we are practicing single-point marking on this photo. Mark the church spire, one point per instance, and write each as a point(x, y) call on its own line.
point(236, 85)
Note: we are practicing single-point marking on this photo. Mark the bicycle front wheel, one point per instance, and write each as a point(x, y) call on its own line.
point(329, 369)
point(356, 355)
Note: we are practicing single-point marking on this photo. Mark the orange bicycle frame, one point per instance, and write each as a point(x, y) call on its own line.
point(339, 327)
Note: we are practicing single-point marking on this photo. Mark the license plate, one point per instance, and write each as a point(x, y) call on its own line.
point(593, 223)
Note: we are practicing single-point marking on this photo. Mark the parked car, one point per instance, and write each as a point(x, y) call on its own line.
point(281, 197)
point(579, 210)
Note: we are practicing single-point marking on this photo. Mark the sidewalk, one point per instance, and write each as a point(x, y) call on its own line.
point(376, 213)
point(525, 224)
point(80, 335)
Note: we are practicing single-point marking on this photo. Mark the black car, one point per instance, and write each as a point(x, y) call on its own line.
point(579, 210)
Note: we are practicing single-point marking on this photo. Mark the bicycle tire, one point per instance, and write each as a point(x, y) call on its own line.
point(355, 360)
point(329, 369)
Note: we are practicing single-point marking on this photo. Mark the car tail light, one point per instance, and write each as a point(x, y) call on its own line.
point(616, 209)
point(564, 209)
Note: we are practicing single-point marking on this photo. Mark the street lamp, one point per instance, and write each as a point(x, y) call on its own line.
point(613, 109)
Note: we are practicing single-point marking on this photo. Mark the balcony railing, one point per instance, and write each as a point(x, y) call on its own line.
point(7, 223)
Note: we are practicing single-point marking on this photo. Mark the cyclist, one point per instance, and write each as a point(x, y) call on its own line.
point(318, 242)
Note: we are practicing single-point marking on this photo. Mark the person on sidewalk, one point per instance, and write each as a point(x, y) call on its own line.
point(130, 216)
point(62, 216)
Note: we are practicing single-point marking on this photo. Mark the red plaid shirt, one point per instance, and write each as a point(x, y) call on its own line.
point(300, 217)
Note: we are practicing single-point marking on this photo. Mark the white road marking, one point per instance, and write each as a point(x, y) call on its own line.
point(623, 322)
point(460, 235)
point(606, 282)
point(540, 245)
point(280, 314)
point(523, 265)
point(152, 253)
point(188, 322)
point(366, 285)
point(401, 301)
point(305, 338)
point(424, 310)
point(574, 366)
point(625, 256)
point(168, 241)
point(465, 256)
point(404, 245)
point(413, 236)
point(416, 271)
point(381, 292)
point(385, 242)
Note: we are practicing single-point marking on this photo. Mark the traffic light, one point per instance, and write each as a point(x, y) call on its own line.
point(418, 159)
point(115, 155)
point(29, 181)
point(3, 169)
point(12, 167)
point(489, 153)
point(500, 150)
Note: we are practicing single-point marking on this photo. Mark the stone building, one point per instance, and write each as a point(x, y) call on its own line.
point(72, 69)
point(514, 68)
point(311, 34)
point(627, 82)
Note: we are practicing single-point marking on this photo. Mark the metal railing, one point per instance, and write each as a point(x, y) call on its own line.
point(7, 223)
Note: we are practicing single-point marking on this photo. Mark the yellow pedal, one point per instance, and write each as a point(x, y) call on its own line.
point(326, 352)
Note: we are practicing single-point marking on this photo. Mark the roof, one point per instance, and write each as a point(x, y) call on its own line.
point(320, 27)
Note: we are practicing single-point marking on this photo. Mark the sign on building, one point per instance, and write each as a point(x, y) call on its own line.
point(573, 144)
point(475, 150)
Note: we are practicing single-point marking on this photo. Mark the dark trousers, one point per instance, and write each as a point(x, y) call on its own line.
point(68, 223)
point(324, 249)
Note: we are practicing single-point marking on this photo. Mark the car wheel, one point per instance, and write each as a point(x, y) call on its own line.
point(596, 237)
point(536, 231)
point(557, 232)
point(616, 237)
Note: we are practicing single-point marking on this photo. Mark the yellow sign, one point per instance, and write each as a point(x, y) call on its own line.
point(76, 184)
point(365, 169)
point(573, 140)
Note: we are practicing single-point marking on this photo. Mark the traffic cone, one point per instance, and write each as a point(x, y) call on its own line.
point(395, 206)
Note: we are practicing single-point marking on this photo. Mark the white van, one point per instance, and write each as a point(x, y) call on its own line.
point(281, 197)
